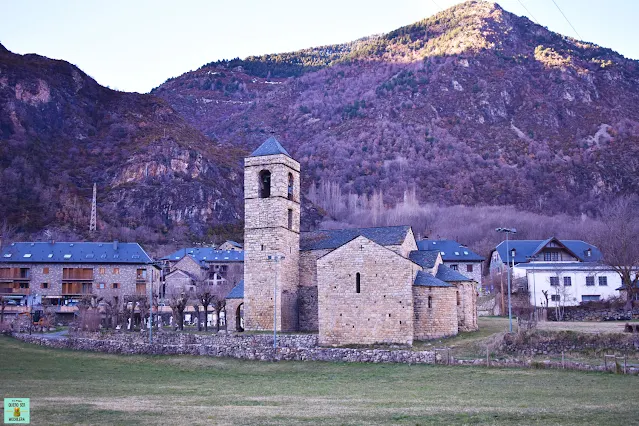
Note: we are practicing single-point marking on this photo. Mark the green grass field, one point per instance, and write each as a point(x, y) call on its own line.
point(69, 387)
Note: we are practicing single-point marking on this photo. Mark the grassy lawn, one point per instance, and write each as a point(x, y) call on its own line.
point(69, 387)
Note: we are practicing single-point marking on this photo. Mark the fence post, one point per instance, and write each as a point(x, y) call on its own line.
point(563, 360)
point(487, 358)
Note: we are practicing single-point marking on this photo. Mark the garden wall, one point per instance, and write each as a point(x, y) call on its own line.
point(251, 347)
point(591, 313)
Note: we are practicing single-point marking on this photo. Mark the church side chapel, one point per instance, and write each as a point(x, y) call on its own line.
point(352, 286)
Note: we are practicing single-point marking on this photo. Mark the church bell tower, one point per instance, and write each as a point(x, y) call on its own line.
point(271, 238)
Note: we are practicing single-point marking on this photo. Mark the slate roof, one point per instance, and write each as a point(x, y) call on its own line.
point(237, 292)
point(76, 252)
point(451, 250)
point(425, 259)
point(330, 239)
point(526, 248)
point(207, 254)
point(271, 146)
point(427, 280)
point(234, 243)
point(179, 271)
point(449, 275)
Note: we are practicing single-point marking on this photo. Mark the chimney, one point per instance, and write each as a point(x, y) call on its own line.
point(115, 244)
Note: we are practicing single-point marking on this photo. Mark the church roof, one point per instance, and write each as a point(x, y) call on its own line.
point(449, 275)
point(425, 259)
point(333, 238)
point(427, 280)
point(271, 146)
point(237, 292)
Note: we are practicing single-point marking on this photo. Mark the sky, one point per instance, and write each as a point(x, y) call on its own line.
point(136, 45)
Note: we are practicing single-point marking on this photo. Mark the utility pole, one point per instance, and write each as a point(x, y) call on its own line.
point(93, 223)
point(508, 231)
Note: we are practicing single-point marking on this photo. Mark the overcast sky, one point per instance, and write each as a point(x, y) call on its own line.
point(136, 45)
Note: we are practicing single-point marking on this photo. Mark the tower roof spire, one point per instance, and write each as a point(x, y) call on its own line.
point(271, 146)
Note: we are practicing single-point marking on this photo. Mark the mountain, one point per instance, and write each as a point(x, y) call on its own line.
point(158, 177)
point(472, 106)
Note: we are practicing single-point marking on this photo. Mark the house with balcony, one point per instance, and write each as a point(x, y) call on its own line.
point(555, 272)
point(60, 273)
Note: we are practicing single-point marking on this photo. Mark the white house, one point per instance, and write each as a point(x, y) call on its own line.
point(568, 271)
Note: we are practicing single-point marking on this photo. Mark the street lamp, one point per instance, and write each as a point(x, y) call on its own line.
point(509, 231)
point(277, 258)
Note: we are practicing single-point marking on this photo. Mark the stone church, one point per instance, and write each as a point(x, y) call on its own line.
point(352, 286)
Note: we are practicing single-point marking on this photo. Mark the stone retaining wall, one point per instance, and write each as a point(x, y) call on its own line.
point(251, 347)
point(585, 313)
point(548, 342)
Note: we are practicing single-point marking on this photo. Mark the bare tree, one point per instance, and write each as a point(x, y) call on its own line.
point(3, 304)
point(7, 233)
point(206, 297)
point(617, 239)
point(178, 301)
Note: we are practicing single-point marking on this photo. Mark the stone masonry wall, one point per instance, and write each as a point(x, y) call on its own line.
point(383, 310)
point(438, 320)
point(307, 293)
point(467, 306)
point(251, 347)
point(266, 234)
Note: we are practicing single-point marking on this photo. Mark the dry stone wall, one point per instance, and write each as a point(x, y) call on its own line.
point(250, 347)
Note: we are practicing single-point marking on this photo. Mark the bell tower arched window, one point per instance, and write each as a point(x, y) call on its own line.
point(265, 184)
point(290, 186)
point(357, 282)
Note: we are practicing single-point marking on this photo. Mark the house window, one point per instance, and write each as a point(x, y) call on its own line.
point(590, 281)
point(454, 267)
point(101, 285)
point(102, 270)
point(469, 268)
point(115, 285)
point(603, 281)
point(567, 281)
point(116, 271)
point(430, 301)
point(290, 186)
point(554, 281)
point(265, 184)
point(45, 270)
point(555, 297)
point(24, 285)
point(590, 298)
point(44, 285)
point(357, 282)
point(551, 255)
point(290, 218)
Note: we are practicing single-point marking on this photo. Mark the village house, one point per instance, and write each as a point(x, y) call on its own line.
point(457, 257)
point(352, 286)
point(568, 272)
point(58, 274)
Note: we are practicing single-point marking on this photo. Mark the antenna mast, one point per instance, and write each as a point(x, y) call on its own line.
point(93, 223)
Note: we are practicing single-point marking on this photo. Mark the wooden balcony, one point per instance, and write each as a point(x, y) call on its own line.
point(72, 288)
point(77, 274)
point(15, 274)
